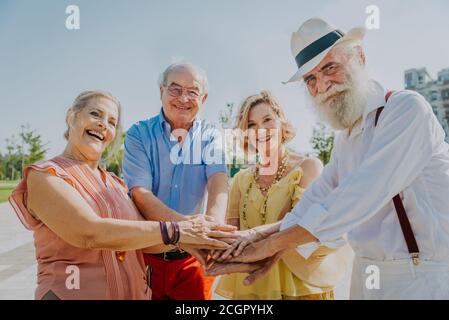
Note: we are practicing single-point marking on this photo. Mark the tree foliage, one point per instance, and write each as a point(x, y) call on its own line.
point(112, 157)
point(322, 142)
point(21, 151)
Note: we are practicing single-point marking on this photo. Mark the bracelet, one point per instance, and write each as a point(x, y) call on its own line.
point(164, 232)
point(176, 233)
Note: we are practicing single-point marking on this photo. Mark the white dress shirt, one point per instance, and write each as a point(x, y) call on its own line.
point(406, 153)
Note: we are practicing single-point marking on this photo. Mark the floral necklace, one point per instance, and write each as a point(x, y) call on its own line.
point(279, 175)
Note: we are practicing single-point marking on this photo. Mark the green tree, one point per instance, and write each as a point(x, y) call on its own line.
point(225, 117)
point(36, 149)
point(322, 142)
point(12, 161)
point(21, 152)
point(112, 157)
point(2, 168)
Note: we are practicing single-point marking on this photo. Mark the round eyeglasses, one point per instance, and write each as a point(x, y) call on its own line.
point(177, 91)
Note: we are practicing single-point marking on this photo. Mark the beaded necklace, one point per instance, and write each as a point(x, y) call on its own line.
point(279, 175)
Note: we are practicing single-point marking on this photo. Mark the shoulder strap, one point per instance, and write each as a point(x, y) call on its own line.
point(406, 227)
point(379, 110)
point(404, 222)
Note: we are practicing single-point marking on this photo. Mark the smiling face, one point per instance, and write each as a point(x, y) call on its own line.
point(337, 86)
point(262, 116)
point(93, 127)
point(182, 96)
point(329, 72)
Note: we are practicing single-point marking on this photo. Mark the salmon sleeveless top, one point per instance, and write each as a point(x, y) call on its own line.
point(102, 274)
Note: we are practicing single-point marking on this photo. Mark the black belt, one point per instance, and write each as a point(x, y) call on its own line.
point(172, 255)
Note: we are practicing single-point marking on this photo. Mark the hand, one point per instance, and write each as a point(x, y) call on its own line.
point(271, 245)
point(202, 255)
point(221, 268)
point(256, 270)
point(256, 251)
point(201, 233)
point(243, 239)
point(265, 266)
point(195, 216)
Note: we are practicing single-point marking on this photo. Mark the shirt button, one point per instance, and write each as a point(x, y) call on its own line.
point(176, 186)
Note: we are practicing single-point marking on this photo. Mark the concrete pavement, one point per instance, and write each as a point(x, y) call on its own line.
point(17, 258)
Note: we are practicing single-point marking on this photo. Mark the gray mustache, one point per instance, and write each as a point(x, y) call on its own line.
point(336, 89)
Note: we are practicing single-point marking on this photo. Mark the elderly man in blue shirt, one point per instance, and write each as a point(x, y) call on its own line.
point(170, 161)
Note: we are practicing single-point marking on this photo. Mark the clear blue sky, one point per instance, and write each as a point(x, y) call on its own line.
point(244, 46)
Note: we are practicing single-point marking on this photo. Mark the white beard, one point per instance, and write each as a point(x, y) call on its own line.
point(348, 103)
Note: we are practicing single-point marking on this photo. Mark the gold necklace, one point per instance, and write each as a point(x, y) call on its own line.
point(279, 175)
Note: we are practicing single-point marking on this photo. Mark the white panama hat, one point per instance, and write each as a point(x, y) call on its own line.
point(313, 40)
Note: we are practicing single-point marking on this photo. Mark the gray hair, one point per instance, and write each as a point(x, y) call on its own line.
point(350, 49)
point(202, 77)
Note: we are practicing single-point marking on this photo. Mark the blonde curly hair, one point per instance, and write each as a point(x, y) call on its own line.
point(288, 131)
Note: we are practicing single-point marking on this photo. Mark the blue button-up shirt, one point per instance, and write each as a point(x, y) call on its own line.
point(177, 175)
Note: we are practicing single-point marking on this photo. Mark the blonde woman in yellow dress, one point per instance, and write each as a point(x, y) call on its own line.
point(264, 193)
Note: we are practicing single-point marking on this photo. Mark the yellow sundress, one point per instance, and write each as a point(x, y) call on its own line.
point(280, 282)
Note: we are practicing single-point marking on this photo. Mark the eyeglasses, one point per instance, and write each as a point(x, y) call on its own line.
point(328, 70)
point(177, 91)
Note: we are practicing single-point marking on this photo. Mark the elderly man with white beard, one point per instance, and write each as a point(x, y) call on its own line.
point(384, 189)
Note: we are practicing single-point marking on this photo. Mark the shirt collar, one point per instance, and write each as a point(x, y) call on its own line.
point(375, 99)
point(165, 125)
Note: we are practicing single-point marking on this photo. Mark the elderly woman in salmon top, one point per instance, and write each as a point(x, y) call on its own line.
point(89, 236)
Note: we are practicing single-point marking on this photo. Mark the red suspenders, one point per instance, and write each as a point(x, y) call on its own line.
point(406, 228)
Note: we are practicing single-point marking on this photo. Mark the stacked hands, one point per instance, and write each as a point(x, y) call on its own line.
point(221, 249)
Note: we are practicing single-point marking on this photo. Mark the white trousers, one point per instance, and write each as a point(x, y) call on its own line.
point(399, 280)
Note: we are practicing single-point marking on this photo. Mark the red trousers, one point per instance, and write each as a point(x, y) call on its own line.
point(181, 279)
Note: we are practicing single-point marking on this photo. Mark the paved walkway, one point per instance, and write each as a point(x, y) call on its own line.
point(8, 184)
point(18, 263)
point(17, 258)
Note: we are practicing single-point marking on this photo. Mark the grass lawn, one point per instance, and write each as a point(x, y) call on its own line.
point(4, 193)
point(6, 188)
